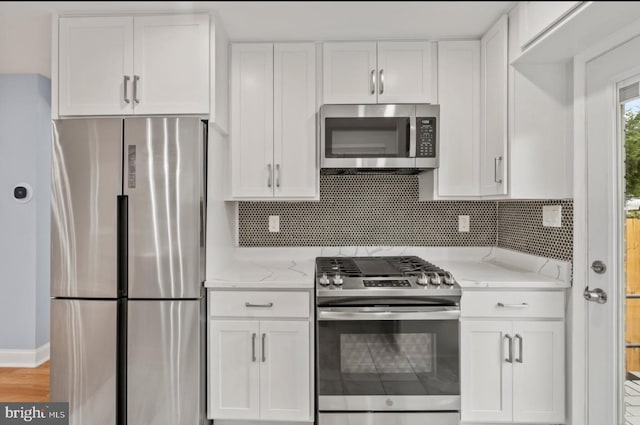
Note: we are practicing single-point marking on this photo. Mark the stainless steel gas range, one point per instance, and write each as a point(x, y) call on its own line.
point(387, 342)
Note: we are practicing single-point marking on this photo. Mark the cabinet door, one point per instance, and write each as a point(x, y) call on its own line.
point(284, 372)
point(485, 373)
point(493, 120)
point(294, 125)
point(459, 97)
point(171, 63)
point(95, 58)
point(405, 72)
point(234, 370)
point(252, 120)
point(350, 73)
point(538, 372)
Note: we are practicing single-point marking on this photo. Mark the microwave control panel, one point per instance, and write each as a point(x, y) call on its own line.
point(426, 137)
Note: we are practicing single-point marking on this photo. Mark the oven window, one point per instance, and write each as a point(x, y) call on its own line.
point(388, 357)
point(367, 137)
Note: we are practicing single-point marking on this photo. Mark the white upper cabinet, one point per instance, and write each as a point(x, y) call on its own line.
point(133, 65)
point(493, 133)
point(405, 72)
point(350, 72)
point(459, 98)
point(95, 58)
point(383, 72)
point(273, 121)
point(171, 62)
point(294, 126)
point(252, 120)
point(537, 16)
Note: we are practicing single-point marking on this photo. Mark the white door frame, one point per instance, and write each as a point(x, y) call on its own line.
point(577, 311)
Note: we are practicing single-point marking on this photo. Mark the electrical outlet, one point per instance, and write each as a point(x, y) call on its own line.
point(274, 223)
point(463, 223)
point(552, 215)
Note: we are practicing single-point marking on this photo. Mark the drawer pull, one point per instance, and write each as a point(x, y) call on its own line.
point(269, 305)
point(522, 305)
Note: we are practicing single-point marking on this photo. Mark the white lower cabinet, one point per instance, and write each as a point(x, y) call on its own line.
point(258, 369)
point(512, 368)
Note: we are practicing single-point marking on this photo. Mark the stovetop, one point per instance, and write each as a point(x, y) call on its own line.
point(383, 277)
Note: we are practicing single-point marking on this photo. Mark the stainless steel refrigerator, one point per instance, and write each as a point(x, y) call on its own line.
point(127, 266)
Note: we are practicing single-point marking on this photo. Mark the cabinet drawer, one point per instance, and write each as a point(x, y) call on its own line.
point(258, 304)
point(513, 304)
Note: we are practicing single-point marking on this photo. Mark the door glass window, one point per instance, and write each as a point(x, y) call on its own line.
point(388, 357)
point(367, 137)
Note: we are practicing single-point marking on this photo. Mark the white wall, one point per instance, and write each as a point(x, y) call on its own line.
point(25, 42)
point(25, 145)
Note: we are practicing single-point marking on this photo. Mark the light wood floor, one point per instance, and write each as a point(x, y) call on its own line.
point(24, 384)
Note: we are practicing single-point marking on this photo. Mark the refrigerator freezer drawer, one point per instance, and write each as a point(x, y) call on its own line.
point(165, 366)
point(83, 359)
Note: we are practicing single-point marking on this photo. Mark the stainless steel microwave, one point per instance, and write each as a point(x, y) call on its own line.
point(379, 136)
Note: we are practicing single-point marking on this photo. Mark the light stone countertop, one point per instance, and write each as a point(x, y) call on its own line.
point(473, 268)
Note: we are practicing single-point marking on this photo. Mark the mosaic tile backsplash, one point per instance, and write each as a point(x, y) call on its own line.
point(367, 210)
point(370, 210)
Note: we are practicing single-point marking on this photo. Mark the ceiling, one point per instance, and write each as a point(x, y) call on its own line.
point(313, 20)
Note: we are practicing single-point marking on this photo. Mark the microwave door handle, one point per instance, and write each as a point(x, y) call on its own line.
point(412, 137)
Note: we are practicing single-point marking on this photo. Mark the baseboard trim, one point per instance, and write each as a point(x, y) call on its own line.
point(24, 358)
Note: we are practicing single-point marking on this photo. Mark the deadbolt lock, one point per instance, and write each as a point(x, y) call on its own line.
point(598, 267)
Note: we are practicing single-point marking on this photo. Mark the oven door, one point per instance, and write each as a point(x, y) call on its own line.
point(368, 136)
point(388, 359)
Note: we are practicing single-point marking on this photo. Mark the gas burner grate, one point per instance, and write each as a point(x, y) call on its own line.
point(332, 265)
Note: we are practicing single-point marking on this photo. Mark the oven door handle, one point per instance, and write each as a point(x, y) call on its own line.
point(333, 315)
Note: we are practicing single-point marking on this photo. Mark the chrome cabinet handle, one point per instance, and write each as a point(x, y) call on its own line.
point(495, 169)
point(519, 358)
point(372, 84)
point(522, 305)
point(253, 347)
point(264, 355)
point(277, 175)
point(381, 81)
point(268, 305)
point(126, 84)
point(136, 78)
point(510, 358)
point(270, 176)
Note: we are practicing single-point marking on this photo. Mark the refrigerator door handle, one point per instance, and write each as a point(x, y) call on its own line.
point(122, 242)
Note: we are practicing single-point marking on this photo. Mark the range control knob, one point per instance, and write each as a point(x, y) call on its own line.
point(324, 280)
point(448, 278)
point(435, 279)
point(423, 279)
point(337, 280)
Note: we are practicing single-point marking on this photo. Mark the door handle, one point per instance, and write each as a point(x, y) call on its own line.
point(277, 175)
point(253, 347)
point(495, 169)
point(381, 81)
point(596, 295)
point(126, 84)
point(264, 355)
point(136, 78)
point(519, 338)
point(372, 83)
point(510, 358)
point(270, 176)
